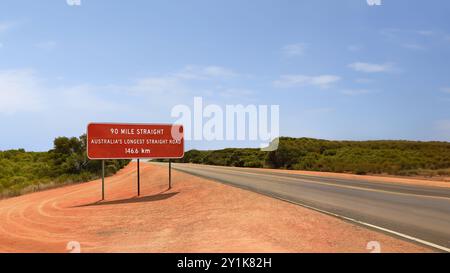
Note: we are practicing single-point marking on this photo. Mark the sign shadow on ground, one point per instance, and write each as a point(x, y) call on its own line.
point(150, 198)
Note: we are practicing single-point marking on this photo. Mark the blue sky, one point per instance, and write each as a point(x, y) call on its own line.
point(338, 69)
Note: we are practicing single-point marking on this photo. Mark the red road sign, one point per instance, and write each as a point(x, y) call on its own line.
point(127, 141)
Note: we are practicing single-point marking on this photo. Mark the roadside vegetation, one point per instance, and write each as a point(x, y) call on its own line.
point(23, 172)
point(393, 157)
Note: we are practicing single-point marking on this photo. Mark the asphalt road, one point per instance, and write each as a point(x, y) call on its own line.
point(418, 213)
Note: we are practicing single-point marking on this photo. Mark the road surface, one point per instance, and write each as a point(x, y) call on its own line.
point(415, 212)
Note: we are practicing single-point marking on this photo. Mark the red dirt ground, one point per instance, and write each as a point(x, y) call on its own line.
point(196, 215)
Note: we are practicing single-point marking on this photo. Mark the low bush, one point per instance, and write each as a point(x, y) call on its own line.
point(67, 162)
point(396, 157)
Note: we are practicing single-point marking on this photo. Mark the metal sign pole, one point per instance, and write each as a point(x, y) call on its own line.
point(103, 180)
point(170, 173)
point(138, 179)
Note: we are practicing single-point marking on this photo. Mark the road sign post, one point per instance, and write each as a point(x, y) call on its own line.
point(170, 174)
point(103, 179)
point(134, 141)
point(138, 179)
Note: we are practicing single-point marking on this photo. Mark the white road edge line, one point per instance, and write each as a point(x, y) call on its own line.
point(366, 224)
point(399, 234)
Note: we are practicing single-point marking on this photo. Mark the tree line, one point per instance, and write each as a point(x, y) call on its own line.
point(395, 157)
point(67, 162)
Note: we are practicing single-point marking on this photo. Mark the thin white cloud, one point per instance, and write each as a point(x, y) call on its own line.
point(390, 32)
point(293, 50)
point(445, 90)
point(22, 91)
point(87, 98)
point(414, 46)
point(179, 83)
point(425, 32)
point(355, 92)
point(164, 85)
point(235, 93)
point(218, 71)
point(403, 37)
point(355, 48)
point(6, 26)
point(364, 80)
point(46, 45)
point(401, 33)
point(322, 81)
point(371, 67)
point(434, 34)
point(19, 92)
point(193, 72)
point(320, 110)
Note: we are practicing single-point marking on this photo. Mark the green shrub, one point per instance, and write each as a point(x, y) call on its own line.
point(65, 163)
point(361, 157)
